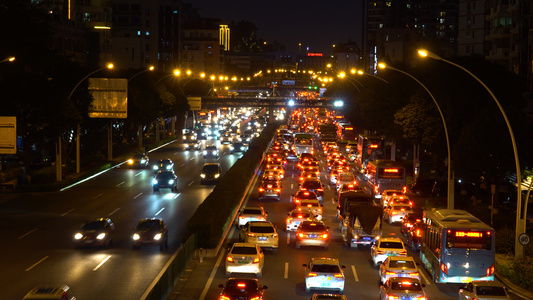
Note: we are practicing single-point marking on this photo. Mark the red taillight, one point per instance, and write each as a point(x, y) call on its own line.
point(312, 274)
point(301, 235)
point(444, 268)
point(490, 270)
point(229, 259)
point(392, 297)
point(338, 275)
point(415, 274)
point(261, 190)
point(241, 285)
point(251, 234)
point(256, 298)
point(390, 273)
point(418, 233)
point(256, 260)
point(289, 220)
point(224, 298)
point(376, 189)
point(325, 236)
point(320, 190)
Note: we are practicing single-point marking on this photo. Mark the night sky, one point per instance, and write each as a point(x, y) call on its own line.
point(317, 24)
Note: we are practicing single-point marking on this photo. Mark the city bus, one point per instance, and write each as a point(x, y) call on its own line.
point(345, 133)
point(384, 174)
point(456, 246)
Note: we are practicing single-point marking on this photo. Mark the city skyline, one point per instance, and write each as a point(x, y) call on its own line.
point(311, 23)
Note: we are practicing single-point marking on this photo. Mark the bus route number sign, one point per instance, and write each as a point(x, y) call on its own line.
point(523, 239)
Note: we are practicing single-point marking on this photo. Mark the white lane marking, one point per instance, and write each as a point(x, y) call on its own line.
point(137, 196)
point(329, 187)
point(213, 272)
point(192, 158)
point(183, 164)
point(22, 236)
point(64, 214)
point(138, 174)
point(292, 175)
point(292, 186)
point(120, 184)
point(97, 196)
point(162, 209)
point(286, 272)
point(428, 282)
point(332, 200)
point(190, 183)
point(103, 262)
point(177, 195)
point(35, 264)
point(355, 274)
point(114, 211)
point(288, 238)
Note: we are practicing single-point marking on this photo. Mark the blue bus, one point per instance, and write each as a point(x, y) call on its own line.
point(456, 246)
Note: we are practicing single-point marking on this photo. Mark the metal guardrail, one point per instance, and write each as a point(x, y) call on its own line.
point(164, 283)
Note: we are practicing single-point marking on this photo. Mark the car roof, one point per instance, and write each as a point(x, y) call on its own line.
point(253, 207)
point(245, 245)
point(211, 164)
point(401, 258)
point(390, 239)
point(261, 223)
point(324, 261)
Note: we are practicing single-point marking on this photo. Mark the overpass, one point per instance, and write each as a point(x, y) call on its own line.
point(269, 102)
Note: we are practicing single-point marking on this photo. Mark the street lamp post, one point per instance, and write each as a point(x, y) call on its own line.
point(342, 75)
point(520, 217)
point(451, 192)
point(58, 165)
point(7, 59)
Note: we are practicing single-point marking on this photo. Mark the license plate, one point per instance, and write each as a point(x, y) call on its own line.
point(367, 238)
point(407, 298)
point(242, 261)
point(262, 238)
point(466, 279)
point(313, 236)
point(269, 191)
point(325, 284)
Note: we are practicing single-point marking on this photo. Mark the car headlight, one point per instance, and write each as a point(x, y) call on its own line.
point(78, 236)
point(231, 148)
point(214, 153)
point(130, 161)
point(202, 175)
point(136, 237)
point(184, 137)
point(143, 161)
point(217, 175)
point(156, 167)
point(101, 236)
point(171, 181)
point(205, 152)
point(154, 181)
point(242, 148)
point(158, 236)
point(169, 167)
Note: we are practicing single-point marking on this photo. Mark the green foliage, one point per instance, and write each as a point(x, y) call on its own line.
point(518, 272)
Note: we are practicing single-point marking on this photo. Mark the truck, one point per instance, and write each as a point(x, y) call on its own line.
point(364, 223)
point(327, 132)
point(347, 198)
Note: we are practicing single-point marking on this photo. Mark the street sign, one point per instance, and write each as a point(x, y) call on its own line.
point(523, 239)
point(195, 103)
point(8, 135)
point(110, 98)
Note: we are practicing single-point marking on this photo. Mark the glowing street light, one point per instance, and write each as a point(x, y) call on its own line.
point(520, 216)
point(150, 68)
point(8, 59)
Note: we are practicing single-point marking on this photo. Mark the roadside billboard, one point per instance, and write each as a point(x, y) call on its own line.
point(110, 98)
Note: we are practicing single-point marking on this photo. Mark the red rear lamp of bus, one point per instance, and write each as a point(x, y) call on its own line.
point(444, 268)
point(490, 270)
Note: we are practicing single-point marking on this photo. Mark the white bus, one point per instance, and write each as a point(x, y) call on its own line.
point(384, 174)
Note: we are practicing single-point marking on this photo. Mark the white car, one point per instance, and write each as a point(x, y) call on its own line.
point(483, 290)
point(50, 292)
point(251, 213)
point(311, 205)
point(262, 233)
point(324, 274)
point(402, 288)
point(386, 247)
point(296, 217)
point(387, 194)
point(396, 212)
point(398, 266)
point(245, 258)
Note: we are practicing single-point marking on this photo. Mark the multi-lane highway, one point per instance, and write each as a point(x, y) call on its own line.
point(37, 246)
point(283, 272)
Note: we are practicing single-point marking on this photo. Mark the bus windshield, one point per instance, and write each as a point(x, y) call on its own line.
point(472, 239)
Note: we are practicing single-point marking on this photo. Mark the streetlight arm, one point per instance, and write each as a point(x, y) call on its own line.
point(72, 92)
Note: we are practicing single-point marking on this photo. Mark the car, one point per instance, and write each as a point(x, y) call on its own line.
point(165, 179)
point(238, 147)
point(272, 175)
point(304, 156)
point(251, 213)
point(398, 266)
point(303, 195)
point(324, 274)
point(308, 165)
point(291, 155)
point(483, 290)
point(307, 175)
point(165, 164)
point(387, 194)
point(226, 139)
point(276, 166)
point(409, 221)
point(385, 247)
point(345, 177)
point(139, 161)
point(341, 164)
point(211, 173)
point(295, 217)
point(333, 175)
point(50, 292)
point(414, 236)
point(94, 233)
point(312, 233)
point(400, 199)
point(193, 145)
point(151, 231)
point(270, 189)
point(395, 213)
point(242, 289)
point(312, 205)
point(211, 152)
point(402, 288)
point(189, 136)
point(245, 258)
point(348, 187)
point(315, 186)
point(328, 297)
point(262, 233)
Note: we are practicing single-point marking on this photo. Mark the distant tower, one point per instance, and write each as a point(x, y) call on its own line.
point(224, 37)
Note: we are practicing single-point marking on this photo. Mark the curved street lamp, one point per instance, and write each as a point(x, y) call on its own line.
point(451, 196)
point(520, 217)
point(175, 72)
point(360, 72)
point(8, 59)
point(150, 68)
point(58, 166)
